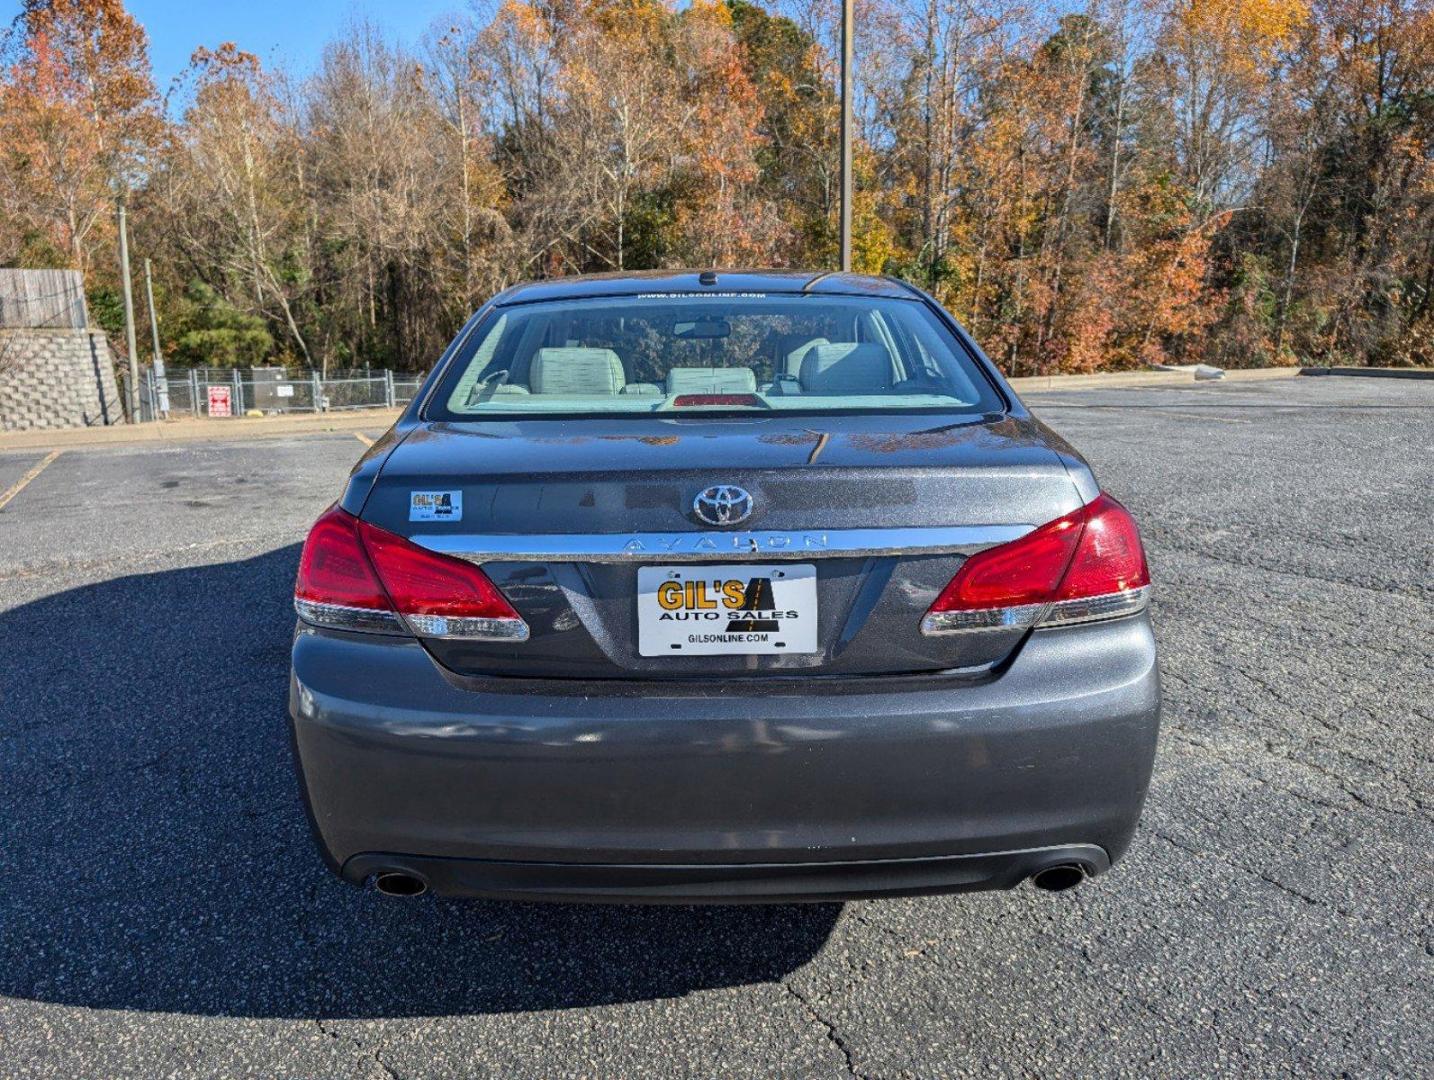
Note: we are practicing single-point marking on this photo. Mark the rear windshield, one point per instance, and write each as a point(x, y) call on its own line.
point(687, 354)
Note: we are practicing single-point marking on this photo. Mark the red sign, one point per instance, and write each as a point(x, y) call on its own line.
point(219, 401)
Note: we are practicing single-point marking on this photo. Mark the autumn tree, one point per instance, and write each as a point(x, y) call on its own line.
point(796, 152)
point(231, 188)
point(1110, 183)
point(1375, 216)
point(373, 149)
point(1215, 61)
point(726, 219)
point(933, 106)
point(521, 53)
point(620, 120)
point(479, 240)
point(78, 118)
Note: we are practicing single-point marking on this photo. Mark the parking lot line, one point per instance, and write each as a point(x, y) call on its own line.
point(363, 439)
point(20, 484)
point(1206, 416)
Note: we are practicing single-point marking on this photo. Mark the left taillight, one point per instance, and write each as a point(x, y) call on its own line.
point(356, 576)
point(337, 585)
point(1085, 566)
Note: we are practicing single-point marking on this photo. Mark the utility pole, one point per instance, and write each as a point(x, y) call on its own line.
point(846, 81)
point(156, 371)
point(128, 317)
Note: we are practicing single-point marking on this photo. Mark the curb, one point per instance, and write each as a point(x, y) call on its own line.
point(199, 430)
point(1372, 372)
point(1146, 378)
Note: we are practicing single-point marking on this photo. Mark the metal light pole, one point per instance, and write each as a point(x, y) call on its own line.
point(128, 318)
point(156, 370)
point(846, 81)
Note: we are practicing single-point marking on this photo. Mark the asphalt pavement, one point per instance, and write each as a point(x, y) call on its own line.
point(163, 912)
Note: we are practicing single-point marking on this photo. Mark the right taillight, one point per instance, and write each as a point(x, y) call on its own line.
point(1084, 566)
point(356, 576)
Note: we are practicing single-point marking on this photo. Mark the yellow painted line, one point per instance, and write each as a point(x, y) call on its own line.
point(20, 484)
point(363, 439)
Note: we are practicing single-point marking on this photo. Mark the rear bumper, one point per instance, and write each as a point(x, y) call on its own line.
point(725, 882)
point(733, 791)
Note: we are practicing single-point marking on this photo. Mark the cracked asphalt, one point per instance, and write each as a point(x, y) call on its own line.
point(163, 913)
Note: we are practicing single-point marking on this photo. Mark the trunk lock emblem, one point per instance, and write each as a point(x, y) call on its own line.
point(723, 504)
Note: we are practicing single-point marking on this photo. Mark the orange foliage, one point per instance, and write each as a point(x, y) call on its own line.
point(77, 115)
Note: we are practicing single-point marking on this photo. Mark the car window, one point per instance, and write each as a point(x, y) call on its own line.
point(683, 353)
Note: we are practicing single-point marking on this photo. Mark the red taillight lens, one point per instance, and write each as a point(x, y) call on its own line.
point(425, 583)
point(1110, 557)
point(1024, 571)
point(334, 568)
point(356, 576)
point(1086, 565)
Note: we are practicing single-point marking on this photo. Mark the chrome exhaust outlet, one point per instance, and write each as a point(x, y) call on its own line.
point(1059, 878)
point(399, 883)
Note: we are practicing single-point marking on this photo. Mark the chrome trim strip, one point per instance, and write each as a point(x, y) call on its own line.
point(342, 617)
point(467, 627)
point(719, 546)
point(961, 622)
point(1061, 613)
point(1096, 608)
point(373, 621)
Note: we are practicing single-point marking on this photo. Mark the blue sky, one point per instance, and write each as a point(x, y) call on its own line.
point(293, 31)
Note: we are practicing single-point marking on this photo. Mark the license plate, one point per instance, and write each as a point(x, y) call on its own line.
point(739, 609)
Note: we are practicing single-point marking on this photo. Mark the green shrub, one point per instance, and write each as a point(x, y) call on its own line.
point(214, 333)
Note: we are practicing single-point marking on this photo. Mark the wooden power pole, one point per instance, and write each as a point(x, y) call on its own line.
point(846, 87)
point(129, 318)
point(156, 364)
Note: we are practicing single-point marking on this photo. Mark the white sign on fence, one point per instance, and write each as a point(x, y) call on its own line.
point(219, 401)
point(284, 390)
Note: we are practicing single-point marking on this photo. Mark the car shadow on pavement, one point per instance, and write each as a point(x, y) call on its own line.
point(154, 853)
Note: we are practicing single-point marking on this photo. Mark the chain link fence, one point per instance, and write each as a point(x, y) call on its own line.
point(230, 392)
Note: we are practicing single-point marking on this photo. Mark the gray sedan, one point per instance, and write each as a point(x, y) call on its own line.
point(703, 587)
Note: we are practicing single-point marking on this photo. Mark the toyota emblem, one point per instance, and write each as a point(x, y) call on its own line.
point(723, 504)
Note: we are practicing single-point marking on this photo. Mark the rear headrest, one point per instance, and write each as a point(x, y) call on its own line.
point(792, 364)
point(493, 390)
point(701, 380)
point(846, 367)
point(576, 372)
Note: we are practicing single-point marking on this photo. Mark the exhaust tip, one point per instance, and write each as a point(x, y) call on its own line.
point(397, 883)
point(1058, 878)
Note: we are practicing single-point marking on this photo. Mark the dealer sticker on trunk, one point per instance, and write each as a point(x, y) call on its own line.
point(435, 506)
point(729, 609)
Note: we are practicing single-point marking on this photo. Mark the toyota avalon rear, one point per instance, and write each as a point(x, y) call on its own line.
point(721, 587)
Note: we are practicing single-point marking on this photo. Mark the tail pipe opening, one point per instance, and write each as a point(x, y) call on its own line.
point(1059, 878)
point(399, 883)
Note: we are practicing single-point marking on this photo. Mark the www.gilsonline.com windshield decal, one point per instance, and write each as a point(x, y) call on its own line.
point(690, 295)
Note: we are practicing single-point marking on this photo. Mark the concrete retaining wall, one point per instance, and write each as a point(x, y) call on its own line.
point(56, 379)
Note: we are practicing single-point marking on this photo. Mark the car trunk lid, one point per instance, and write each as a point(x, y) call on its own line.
point(563, 516)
